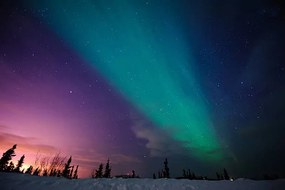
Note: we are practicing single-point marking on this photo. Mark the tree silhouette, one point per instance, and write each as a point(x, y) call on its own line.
point(184, 173)
point(66, 171)
point(45, 172)
point(20, 164)
point(99, 172)
point(188, 174)
point(218, 176)
point(44, 162)
point(29, 170)
point(226, 175)
point(7, 156)
point(133, 174)
point(56, 163)
point(75, 176)
point(10, 167)
point(44, 166)
point(37, 172)
point(71, 172)
point(166, 169)
point(107, 173)
point(193, 176)
point(52, 172)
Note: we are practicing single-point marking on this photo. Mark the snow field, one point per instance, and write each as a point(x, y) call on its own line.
point(10, 181)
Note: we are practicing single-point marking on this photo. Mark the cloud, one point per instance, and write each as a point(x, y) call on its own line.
point(91, 158)
point(6, 138)
point(85, 158)
point(159, 142)
point(118, 158)
point(25, 144)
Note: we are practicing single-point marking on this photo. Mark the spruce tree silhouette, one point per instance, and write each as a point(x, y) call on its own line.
point(71, 172)
point(75, 176)
point(218, 176)
point(226, 175)
point(188, 174)
point(37, 172)
point(20, 164)
point(52, 172)
point(99, 172)
point(133, 174)
point(29, 170)
point(184, 173)
point(7, 156)
point(45, 173)
point(193, 176)
point(107, 173)
point(166, 169)
point(66, 171)
point(10, 167)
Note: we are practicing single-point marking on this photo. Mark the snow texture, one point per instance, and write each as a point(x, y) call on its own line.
point(10, 181)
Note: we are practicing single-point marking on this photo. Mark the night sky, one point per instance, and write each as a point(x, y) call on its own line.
point(199, 82)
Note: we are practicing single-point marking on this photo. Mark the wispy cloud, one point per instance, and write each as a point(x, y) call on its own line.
point(93, 159)
point(159, 142)
point(25, 144)
point(118, 158)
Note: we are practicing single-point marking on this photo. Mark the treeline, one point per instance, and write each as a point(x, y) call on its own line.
point(57, 166)
point(188, 174)
point(102, 172)
point(164, 173)
point(45, 166)
point(98, 173)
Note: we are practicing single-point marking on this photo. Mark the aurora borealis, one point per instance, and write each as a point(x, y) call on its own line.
point(201, 83)
point(150, 74)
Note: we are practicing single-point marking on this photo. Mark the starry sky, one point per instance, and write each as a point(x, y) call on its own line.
point(199, 82)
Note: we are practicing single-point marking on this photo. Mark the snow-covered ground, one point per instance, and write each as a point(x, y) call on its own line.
point(10, 181)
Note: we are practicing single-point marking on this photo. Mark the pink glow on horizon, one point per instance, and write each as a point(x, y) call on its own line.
point(32, 151)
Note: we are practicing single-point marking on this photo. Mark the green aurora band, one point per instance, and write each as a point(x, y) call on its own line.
point(142, 53)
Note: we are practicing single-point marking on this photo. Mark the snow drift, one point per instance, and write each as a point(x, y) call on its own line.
point(10, 181)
